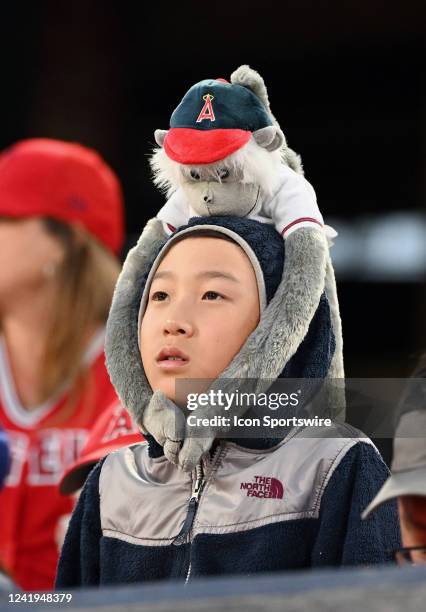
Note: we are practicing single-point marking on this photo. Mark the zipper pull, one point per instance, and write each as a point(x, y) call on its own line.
point(183, 534)
point(198, 488)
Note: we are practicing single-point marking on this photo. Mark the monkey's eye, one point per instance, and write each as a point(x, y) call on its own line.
point(223, 173)
point(195, 175)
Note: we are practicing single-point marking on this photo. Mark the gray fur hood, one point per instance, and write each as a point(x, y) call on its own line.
point(299, 333)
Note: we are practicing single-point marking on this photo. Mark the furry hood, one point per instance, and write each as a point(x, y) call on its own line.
point(306, 345)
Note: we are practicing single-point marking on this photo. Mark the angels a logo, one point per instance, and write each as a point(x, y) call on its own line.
point(207, 111)
point(119, 425)
point(263, 487)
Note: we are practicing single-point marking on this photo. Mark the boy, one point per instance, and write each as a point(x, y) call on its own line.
point(208, 289)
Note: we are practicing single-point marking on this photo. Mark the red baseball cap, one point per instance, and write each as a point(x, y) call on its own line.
point(66, 181)
point(214, 119)
point(112, 430)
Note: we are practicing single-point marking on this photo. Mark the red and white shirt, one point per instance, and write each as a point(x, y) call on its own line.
point(43, 442)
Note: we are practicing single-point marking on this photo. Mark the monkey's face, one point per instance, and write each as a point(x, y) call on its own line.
point(215, 190)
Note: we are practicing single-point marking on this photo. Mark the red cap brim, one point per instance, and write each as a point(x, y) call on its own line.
point(190, 146)
point(74, 477)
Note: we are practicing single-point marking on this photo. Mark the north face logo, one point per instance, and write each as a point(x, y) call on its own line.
point(264, 486)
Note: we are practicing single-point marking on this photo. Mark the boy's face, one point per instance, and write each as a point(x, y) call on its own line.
point(203, 304)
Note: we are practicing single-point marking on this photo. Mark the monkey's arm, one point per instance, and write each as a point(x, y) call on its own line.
point(282, 327)
point(175, 212)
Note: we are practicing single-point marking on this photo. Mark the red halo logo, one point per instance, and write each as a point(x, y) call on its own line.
point(207, 111)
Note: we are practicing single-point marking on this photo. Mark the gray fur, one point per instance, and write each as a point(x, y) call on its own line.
point(336, 369)
point(166, 422)
point(247, 77)
point(286, 320)
point(335, 389)
point(270, 137)
point(209, 198)
point(293, 160)
point(159, 136)
point(123, 359)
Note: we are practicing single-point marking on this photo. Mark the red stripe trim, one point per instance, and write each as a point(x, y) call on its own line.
point(287, 227)
point(171, 228)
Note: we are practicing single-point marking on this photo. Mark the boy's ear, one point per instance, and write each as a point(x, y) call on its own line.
point(159, 136)
point(269, 137)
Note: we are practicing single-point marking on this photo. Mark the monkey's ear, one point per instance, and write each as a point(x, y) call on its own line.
point(269, 137)
point(159, 136)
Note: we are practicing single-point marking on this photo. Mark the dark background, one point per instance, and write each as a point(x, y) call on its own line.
point(346, 81)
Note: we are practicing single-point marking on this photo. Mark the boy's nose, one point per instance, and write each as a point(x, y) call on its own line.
point(178, 328)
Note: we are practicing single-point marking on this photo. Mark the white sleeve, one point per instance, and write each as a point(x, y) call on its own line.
point(175, 212)
point(294, 205)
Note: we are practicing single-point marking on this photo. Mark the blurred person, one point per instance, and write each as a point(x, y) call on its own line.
point(250, 504)
point(6, 584)
point(112, 430)
point(61, 229)
point(407, 482)
point(4, 457)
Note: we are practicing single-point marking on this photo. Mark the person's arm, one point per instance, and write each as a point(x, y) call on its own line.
point(79, 562)
point(343, 537)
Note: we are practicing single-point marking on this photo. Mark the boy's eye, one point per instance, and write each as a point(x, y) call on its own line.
point(213, 295)
point(159, 296)
point(195, 175)
point(223, 173)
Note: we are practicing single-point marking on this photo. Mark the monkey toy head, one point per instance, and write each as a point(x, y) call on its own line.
point(224, 148)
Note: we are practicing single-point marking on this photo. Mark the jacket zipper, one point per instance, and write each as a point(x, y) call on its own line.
point(184, 535)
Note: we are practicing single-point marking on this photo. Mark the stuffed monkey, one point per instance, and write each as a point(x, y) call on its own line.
point(225, 154)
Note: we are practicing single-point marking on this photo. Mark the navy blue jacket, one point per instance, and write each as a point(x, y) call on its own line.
point(322, 530)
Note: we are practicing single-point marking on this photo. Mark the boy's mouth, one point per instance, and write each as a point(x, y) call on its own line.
point(170, 357)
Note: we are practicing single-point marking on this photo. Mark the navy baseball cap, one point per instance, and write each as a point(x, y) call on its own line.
point(214, 119)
